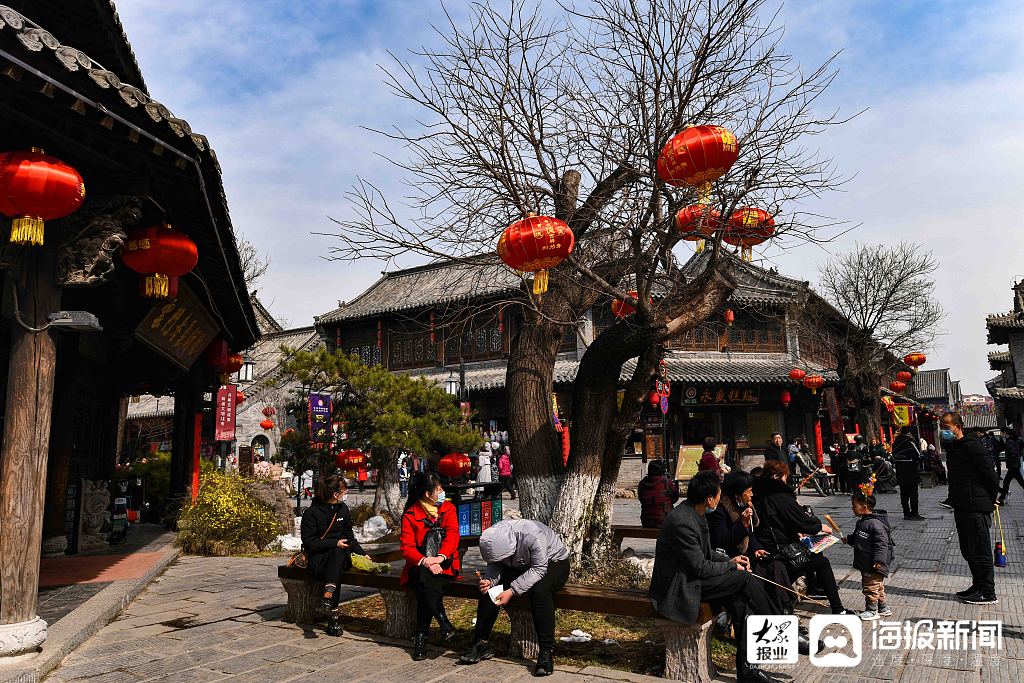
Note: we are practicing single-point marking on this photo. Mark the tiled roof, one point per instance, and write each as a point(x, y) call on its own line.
point(931, 384)
point(973, 421)
point(151, 406)
point(267, 355)
point(999, 357)
point(1009, 320)
point(754, 285)
point(1011, 393)
point(430, 285)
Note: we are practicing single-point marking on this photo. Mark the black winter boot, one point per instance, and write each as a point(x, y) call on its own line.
point(545, 663)
point(447, 629)
point(419, 647)
point(334, 626)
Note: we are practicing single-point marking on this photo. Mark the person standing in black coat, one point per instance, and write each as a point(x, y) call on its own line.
point(907, 458)
point(1013, 457)
point(973, 487)
point(775, 450)
point(687, 572)
point(329, 541)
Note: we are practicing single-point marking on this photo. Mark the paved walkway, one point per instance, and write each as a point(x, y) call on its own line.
point(219, 619)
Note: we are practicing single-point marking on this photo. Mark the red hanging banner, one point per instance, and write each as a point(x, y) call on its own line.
point(225, 430)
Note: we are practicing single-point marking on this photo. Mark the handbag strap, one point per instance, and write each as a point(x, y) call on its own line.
point(329, 526)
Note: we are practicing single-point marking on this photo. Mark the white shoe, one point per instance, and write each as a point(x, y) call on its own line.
point(885, 611)
point(868, 615)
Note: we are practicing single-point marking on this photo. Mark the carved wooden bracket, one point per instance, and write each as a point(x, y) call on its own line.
point(86, 258)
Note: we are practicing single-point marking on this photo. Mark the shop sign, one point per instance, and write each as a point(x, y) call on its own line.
point(719, 396)
point(319, 418)
point(179, 329)
point(225, 429)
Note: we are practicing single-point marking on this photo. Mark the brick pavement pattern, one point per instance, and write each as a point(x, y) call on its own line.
point(219, 619)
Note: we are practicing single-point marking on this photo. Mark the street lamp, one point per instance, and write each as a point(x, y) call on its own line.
point(452, 385)
point(246, 372)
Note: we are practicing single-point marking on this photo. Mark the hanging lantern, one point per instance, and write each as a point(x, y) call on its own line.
point(217, 355)
point(797, 375)
point(455, 465)
point(239, 397)
point(915, 360)
point(897, 386)
point(234, 364)
point(698, 222)
point(535, 244)
point(267, 424)
point(785, 398)
point(654, 398)
point(697, 157)
point(730, 317)
point(747, 228)
point(620, 309)
point(814, 382)
point(269, 411)
point(350, 459)
point(501, 321)
point(36, 187)
point(433, 334)
point(161, 254)
point(904, 376)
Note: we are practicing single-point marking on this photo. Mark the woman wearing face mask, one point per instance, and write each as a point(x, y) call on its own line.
point(328, 541)
point(430, 546)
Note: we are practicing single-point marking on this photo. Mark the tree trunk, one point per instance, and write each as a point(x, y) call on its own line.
point(387, 497)
point(865, 393)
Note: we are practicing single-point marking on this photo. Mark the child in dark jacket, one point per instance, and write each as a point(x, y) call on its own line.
point(873, 552)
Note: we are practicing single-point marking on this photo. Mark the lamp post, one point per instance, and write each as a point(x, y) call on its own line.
point(248, 369)
point(453, 385)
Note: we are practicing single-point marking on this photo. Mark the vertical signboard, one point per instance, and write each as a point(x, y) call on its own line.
point(319, 418)
point(225, 425)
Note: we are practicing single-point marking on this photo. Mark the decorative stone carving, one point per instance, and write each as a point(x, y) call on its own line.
point(95, 500)
point(55, 546)
point(23, 638)
point(87, 258)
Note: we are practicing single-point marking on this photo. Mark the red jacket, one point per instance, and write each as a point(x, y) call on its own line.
point(708, 461)
point(414, 531)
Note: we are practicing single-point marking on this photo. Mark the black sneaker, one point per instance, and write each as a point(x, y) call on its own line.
point(915, 518)
point(971, 590)
point(979, 599)
point(478, 652)
point(945, 504)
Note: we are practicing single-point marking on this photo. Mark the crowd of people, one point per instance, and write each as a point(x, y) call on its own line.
point(734, 542)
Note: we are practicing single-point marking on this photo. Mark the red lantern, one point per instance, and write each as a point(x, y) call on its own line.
point(288, 432)
point(239, 397)
point(267, 424)
point(915, 360)
point(620, 309)
point(162, 254)
point(730, 317)
point(814, 382)
point(36, 187)
point(897, 386)
point(785, 398)
point(749, 227)
point(698, 222)
point(234, 364)
point(904, 376)
point(217, 355)
point(455, 465)
point(654, 398)
point(797, 375)
point(536, 244)
point(350, 459)
point(697, 157)
point(269, 411)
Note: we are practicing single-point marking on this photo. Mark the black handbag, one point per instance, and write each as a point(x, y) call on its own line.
point(793, 555)
point(432, 541)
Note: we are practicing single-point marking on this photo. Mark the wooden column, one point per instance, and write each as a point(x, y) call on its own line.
point(185, 439)
point(26, 445)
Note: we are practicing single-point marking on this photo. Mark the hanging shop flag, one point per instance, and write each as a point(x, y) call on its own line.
point(901, 415)
point(319, 418)
point(225, 430)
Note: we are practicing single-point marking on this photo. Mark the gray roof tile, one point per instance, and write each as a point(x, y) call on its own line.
point(931, 384)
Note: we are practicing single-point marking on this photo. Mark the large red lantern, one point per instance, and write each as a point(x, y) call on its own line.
point(536, 244)
point(730, 317)
point(698, 222)
point(697, 157)
point(897, 386)
point(814, 382)
point(620, 309)
point(267, 424)
point(904, 376)
point(350, 459)
point(749, 227)
point(269, 411)
point(161, 254)
point(785, 398)
point(797, 375)
point(915, 360)
point(217, 355)
point(36, 187)
point(654, 398)
point(239, 397)
point(455, 465)
point(233, 364)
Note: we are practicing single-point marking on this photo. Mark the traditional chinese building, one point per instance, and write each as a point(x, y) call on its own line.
point(77, 335)
point(1007, 388)
point(454, 322)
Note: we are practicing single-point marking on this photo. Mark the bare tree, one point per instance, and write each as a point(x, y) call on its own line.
point(565, 114)
point(254, 264)
point(888, 296)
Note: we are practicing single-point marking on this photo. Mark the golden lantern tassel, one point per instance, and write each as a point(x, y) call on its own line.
point(27, 231)
point(158, 286)
point(704, 193)
point(748, 253)
point(540, 282)
point(700, 246)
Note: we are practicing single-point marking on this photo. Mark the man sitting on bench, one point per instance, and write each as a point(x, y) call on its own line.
point(687, 572)
point(522, 556)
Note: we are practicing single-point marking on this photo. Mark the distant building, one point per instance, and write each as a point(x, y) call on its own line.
point(1007, 388)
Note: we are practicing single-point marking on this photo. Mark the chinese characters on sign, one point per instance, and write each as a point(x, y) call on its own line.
point(772, 639)
point(932, 634)
point(320, 418)
point(180, 329)
point(720, 396)
point(226, 413)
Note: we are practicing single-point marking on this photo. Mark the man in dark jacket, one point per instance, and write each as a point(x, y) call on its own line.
point(856, 462)
point(973, 486)
point(687, 572)
point(657, 494)
point(1012, 463)
point(907, 458)
point(775, 451)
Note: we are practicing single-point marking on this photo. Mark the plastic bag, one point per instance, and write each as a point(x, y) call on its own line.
point(365, 564)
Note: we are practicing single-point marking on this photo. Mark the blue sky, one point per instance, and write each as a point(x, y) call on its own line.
point(283, 89)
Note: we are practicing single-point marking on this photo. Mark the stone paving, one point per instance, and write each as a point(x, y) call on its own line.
point(219, 619)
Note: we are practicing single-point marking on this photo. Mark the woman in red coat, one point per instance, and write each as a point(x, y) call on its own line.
point(430, 546)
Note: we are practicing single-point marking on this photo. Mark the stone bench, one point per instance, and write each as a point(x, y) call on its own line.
point(687, 647)
point(623, 531)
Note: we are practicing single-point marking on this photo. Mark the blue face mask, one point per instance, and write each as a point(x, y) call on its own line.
point(712, 509)
point(947, 435)
point(440, 498)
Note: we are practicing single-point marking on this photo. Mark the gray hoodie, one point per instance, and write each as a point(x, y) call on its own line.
point(520, 544)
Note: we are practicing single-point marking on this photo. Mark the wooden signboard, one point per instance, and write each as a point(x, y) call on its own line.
point(689, 459)
point(179, 329)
